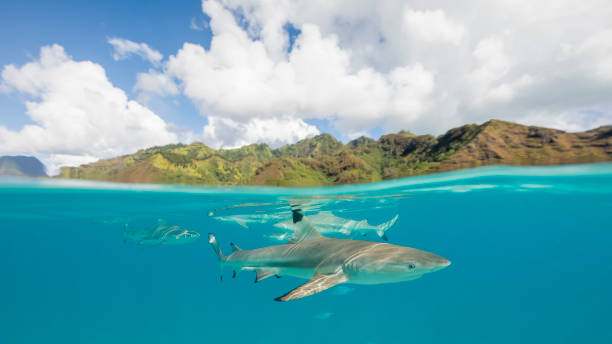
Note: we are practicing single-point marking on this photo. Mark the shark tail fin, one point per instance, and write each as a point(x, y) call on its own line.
point(382, 228)
point(215, 246)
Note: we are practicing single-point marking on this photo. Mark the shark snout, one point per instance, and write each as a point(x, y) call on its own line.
point(441, 264)
point(438, 263)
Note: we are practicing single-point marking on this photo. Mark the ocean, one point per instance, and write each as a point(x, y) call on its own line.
point(531, 252)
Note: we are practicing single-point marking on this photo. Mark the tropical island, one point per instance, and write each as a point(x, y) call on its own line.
point(21, 166)
point(323, 160)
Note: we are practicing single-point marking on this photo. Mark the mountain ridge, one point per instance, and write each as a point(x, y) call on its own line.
point(21, 166)
point(323, 160)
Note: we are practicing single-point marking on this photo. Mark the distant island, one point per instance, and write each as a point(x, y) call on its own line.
point(323, 160)
point(22, 166)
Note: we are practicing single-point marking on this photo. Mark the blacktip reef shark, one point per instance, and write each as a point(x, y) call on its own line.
point(161, 234)
point(326, 262)
point(248, 219)
point(324, 221)
point(327, 222)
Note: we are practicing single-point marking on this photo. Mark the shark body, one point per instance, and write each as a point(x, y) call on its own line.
point(246, 220)
point(162, 234)
point(326, 262)
point(324, 221)
point(327, 222)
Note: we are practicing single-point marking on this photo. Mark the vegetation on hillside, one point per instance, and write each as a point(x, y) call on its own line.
point(323, 160)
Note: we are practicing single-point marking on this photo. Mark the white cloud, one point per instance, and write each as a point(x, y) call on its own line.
point(54, 162)
point(493, 64)
point(227, 133)
point(431, 26)
point(522, 58)
point(79, 115)
point(596, 50)
point(362, 64)
point(240, 78)
point(154, 82)
point(123, 48)
point(194, 25)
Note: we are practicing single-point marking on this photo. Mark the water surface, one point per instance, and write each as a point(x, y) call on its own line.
point(530, 246)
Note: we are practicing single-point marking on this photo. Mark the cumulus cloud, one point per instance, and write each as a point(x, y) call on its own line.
point(272, 66)
point(431, 26)
point(194, 25)
point(241, 79)
point(493, 65)
point(597, 50)
point(227, 133)
point(155, 83)
point(79, 115)
point(123, 48)
point(398, 64)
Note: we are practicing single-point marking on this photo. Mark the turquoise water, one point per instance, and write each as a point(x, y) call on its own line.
point(531, 252)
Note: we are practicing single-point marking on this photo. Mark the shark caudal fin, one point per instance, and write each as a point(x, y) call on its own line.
point(215, 246)
point(382, 228)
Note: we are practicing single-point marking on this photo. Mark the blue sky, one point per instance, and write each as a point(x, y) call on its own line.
point(239, 72)
point(83, 27)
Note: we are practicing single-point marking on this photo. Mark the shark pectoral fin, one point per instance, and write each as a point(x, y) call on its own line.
point(264, 273)
point(317, 283)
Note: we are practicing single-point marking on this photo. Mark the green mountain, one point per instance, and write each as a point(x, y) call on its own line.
point(323, 160)
point(23, 166)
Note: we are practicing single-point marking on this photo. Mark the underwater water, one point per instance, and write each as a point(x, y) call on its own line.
point(531, 252)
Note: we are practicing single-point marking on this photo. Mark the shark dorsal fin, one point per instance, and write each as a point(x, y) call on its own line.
point(235, 247)
point(304, 230)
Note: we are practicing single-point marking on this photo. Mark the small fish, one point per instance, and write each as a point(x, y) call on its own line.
point(327, 222)
point(162, 234)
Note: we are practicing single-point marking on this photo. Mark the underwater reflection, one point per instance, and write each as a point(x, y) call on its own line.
point(244, 220)
point(327, 222)
point(162, 234)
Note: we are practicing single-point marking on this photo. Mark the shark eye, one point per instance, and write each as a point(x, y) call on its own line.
point(411, 266)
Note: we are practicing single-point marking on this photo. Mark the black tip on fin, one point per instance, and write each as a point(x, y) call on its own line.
point(277, 276)
point(384, 237)
point(234, 274)
point(279, 299)
point(297, 216)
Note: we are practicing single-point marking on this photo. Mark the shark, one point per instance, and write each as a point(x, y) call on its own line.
point(244, 220)
point(326, 262)
point(161, 234)
point(327, 222)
